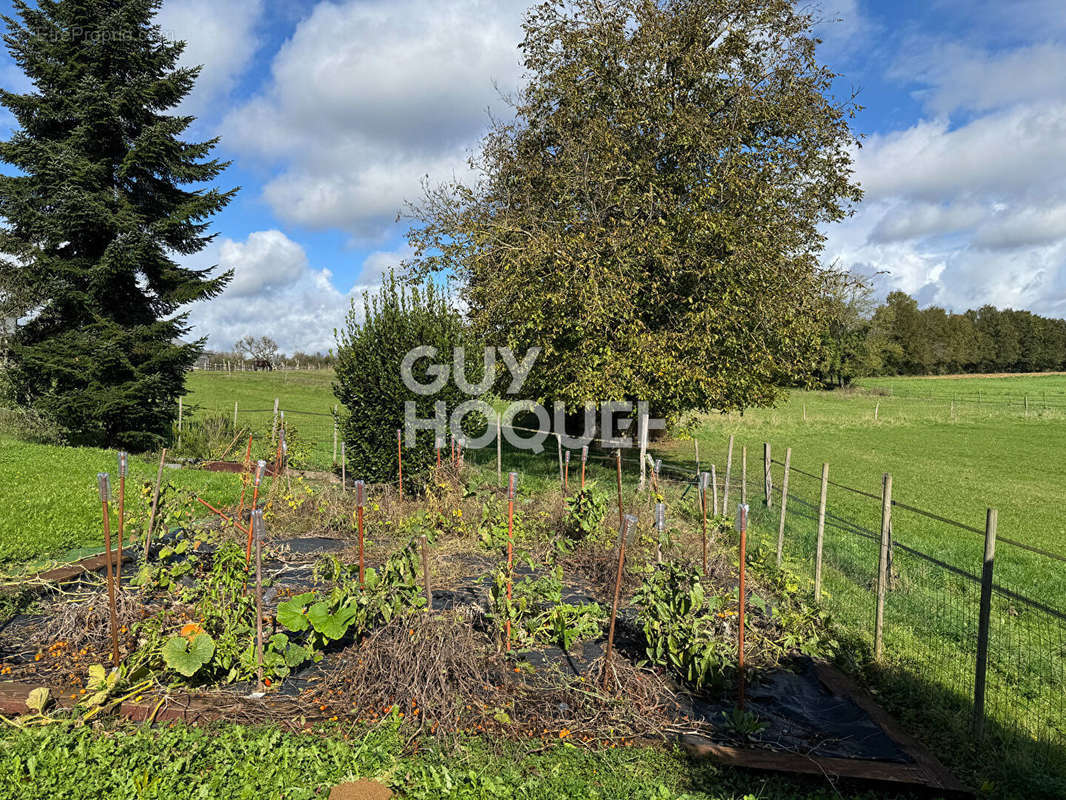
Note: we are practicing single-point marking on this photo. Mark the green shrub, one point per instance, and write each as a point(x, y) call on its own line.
point(370, 351)
point(585, 512)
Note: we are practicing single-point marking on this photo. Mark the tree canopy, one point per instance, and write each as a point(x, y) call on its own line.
point(651, 215)
point(95, 215)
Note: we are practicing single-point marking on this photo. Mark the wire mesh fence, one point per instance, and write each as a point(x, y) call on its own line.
point(932, 619)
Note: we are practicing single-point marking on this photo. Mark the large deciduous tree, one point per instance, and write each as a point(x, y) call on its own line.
point(651, 215)
point(105, 195)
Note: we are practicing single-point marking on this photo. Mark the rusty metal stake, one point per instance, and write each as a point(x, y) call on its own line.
point(103, 482)
point(566, 474)
point(742, 527)
point(399, 457)
point(360, 499)
point(257, 529)
point(623, 533)
point(618, 459)
point(512, 477)
point(259, 467)
point(584, 458)
point(438, 452)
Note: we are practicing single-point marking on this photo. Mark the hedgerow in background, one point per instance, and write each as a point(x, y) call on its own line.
point(94, 207)
point(370, 353)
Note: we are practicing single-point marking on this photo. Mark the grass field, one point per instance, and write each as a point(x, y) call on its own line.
point(51, 506)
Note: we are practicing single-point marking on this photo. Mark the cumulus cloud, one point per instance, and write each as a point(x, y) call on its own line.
point(368, 97)
point(220, 36)
point(277, 292)
point(967, 205)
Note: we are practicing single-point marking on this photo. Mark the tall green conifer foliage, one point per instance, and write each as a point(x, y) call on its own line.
point(94, 214)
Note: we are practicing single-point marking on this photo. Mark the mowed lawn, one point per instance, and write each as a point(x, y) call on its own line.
point(955, 462)
point(51, 505)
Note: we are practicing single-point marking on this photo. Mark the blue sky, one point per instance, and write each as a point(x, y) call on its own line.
point(332, 111)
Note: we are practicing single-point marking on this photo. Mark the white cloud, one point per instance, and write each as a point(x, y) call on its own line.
point(965, 215)
point(276, 292)
point(368, 97)
point(219, 35)
point(268, 259)
point(963, 77)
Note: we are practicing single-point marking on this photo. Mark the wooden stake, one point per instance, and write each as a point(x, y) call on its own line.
point(334, 436)
point(559, 448)
point(344, 467)
point(744, 475)
point(742, 520)
point(235, 402)
point(821, 535)
point(623, 533)
point(767, 480)
point(103, 481)
point(703, 510)
point(155, 505)
point(399, 457)
point(728, 476)
point(983, 624)
point(882, 564)
point(643, 448)
point(499, 449)
point(784, 505)
point(123, 468)
point(696, 446)
point(714, 490)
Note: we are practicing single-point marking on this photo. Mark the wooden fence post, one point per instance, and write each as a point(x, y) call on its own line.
point(984, 624)
point(714, 490)
point(767, 480)
point(235, 415)
point(274, 430)
point(784, 505)
point(882, 564)
point(181, 414)
point(559, 448)
point(643, 449)
point(499, 449)
point(821, 535)
point(334, 436)
point(743, 475)
point(696, 446)
point(728, 475)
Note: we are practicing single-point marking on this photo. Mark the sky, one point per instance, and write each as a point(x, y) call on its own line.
point(334, 111)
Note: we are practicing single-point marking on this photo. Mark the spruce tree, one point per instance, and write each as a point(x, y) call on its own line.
point(105, 194)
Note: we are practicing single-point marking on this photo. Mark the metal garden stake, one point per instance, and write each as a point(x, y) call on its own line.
point(742, 528)
point(360, 499)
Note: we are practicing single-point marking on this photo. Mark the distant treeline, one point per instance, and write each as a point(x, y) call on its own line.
point(898, 338)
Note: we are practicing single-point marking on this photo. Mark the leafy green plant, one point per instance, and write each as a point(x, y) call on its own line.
point(188, 654)
point(585, 511)
point(676, 614)
point(537, 614)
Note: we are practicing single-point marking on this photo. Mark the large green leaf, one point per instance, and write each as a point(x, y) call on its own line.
point(293, 612)
point(187, 656)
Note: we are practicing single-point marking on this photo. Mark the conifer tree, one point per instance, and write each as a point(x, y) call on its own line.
point(104, 197)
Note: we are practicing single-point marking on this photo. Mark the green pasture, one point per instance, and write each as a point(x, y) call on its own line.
point(51, 505)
